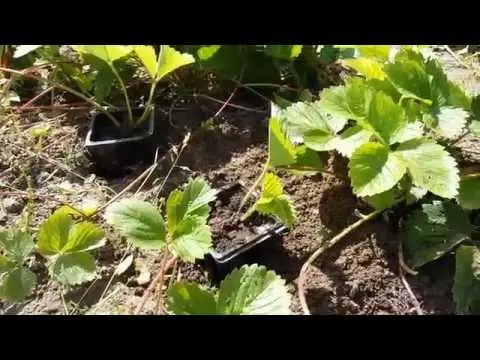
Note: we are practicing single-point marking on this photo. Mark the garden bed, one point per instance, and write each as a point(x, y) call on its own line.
point(359, 276)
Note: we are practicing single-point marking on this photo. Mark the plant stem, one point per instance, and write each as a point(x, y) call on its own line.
point(65, 307)
point(65, 88)
point(147, 110)
point(159, 293)
point(125, 93)
point(254, 186)
point(319, 251)
point(249, 213)
point(152, 286)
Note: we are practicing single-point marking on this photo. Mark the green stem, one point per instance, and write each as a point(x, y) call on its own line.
point(249, 213)
point(321, 249)
point(254, 186)
point(65, 88)
point(125, 93)
point(147, 110)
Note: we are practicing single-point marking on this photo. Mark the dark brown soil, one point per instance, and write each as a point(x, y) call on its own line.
point(228, 231)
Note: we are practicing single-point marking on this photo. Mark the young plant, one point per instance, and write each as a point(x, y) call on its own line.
point(67, 244)
point(250, 290)
point(395, 123)
point(273, 201)
point(16, 281)
point(167, 61)
point(185, 232)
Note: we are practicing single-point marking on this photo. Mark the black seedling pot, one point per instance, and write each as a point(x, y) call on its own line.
point(113, 149)
point(221, 263)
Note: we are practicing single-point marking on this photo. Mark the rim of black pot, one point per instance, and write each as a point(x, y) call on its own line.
point(275, 231)
point(88, 139)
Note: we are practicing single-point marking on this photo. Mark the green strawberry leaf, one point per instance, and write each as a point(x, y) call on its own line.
point(147, 56)
point(435, 230)
point(17, 284)
point(351, 139)
point(466, 286)
point(281, 152)
point(374, 169)
point(347, 102)
point(415, 194)
point(138, 221)
point(451, 122)
point(107, 53)
point(273, 201)
point(458, 98)
point(185, 298)
point(59, 235)
point(253, 290)
point(369, 68)
point(303, 117)
point(409, 131)
point(194, 199)
point(320, 141)
point(170, 60)
point(103, 83)
point(383, 200)
point(431, 167)
point(192, 238)
point(16, 245)
point(284, 52)
point(410, 79)
point(207, 51)
point(308, 161)
point(378, 52)
point(385, 117)
point(6, 265)
point(73, 269)
point(469, 193)
point(475, 128)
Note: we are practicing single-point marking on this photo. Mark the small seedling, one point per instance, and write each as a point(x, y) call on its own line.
point(167, 61)
point(184, 233)
point(67, 246)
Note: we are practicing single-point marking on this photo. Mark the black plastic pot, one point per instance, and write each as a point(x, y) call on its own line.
point(113, 149)
point(220, 264)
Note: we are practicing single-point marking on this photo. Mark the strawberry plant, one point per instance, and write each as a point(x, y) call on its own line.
point(185, 234)
point(67, 246)
point(167, 61)
point(395, 121)
point(250, 290)
point(16, 281)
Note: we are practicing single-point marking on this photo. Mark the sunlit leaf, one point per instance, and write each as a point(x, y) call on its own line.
point(431, 167)
point(373, 169)
point(138, 221)
point(469, 193)
point(253, 290)
point(185, 298)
